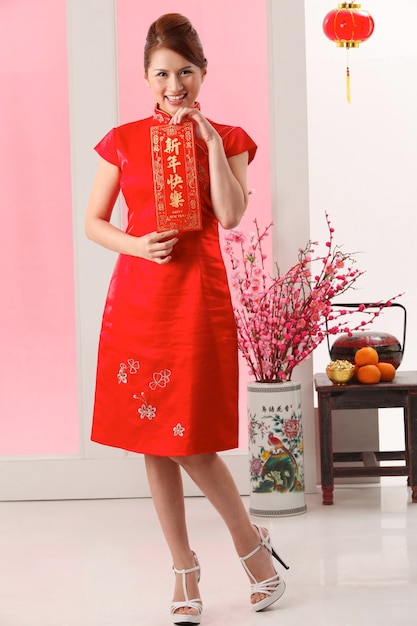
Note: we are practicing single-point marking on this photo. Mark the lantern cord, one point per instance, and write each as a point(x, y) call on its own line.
point(347, 77)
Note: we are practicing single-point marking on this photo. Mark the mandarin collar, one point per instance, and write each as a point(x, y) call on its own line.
point(164, 118)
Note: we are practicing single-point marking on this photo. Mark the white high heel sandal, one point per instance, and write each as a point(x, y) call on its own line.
point(195, 603)
point(273, 587)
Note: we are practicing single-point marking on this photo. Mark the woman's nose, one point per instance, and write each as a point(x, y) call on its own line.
point(175, 83)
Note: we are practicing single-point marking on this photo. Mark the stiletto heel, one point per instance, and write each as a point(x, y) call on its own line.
point(195, 603)
point(273, 587)
point(275, 555)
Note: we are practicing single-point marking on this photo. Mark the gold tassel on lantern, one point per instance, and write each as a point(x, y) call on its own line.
point(347, 76)
point(348, 84)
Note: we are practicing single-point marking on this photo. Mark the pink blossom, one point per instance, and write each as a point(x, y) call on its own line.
point(281, 320)
point(235, 236)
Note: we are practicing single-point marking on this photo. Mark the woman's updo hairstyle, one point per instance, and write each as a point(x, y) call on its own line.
point(174, 32)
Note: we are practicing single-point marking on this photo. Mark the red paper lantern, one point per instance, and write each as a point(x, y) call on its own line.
point(347, 25)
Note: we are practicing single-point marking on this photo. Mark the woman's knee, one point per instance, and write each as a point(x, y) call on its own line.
point(151, 460)
point(194, 460)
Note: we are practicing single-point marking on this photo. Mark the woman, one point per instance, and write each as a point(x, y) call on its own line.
point(167, 377)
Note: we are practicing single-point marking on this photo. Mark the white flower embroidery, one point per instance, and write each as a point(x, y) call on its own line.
point(158, 117)
point(160, 379)
point(146, 410)
point(178, 430)
point(133, 366)
point(122, 374)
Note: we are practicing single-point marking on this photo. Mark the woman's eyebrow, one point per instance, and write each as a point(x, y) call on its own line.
point(161, 69)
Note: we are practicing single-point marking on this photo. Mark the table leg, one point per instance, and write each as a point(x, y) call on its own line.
point(326, 447)
point(327, 493)
point(412, 443)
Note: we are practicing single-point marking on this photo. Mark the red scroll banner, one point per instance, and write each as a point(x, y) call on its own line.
point(175, 177)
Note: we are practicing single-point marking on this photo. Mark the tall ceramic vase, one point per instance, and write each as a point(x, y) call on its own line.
point(276, 449)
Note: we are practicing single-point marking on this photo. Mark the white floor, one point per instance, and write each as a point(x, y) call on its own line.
point(103, 563)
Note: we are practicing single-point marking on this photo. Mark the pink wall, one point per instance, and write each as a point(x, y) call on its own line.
point(38, 377)
point(38, 395)
point(235, 91)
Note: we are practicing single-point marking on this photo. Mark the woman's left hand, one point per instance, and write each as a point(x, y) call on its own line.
point(204, 130)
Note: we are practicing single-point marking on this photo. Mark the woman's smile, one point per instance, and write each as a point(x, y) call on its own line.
point(173, 80)
point(176, 100)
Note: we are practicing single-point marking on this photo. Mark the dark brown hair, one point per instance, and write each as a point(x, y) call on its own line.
point(174, 32)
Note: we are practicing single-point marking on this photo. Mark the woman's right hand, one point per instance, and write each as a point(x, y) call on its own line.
point(156, 247)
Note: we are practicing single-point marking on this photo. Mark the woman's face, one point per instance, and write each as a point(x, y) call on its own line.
point(173, 80)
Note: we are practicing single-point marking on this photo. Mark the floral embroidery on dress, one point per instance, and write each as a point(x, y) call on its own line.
point(159, 117)
point(121, 375)
point(163, 118)
point(178, 430)
point(160, 379)
point(133, 367)
point(146, 410)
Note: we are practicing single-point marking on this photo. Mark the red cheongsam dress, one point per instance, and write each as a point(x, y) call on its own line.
point(167, 370)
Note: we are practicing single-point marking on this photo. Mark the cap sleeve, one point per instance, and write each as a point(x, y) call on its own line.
point(237, 141)
point(107, 149)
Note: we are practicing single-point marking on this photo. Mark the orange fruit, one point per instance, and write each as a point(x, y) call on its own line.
point(387, 371)
point(366, 356)
point(368, 374)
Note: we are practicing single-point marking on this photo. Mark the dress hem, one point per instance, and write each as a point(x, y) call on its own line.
point(224, 448)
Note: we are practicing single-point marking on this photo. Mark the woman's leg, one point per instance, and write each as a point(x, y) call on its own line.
point(165, 482)
point(212, 476)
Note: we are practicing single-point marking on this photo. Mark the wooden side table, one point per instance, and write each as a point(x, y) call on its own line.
point(401, 392)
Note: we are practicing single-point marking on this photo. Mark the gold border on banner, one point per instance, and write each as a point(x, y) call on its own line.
point(174, 164)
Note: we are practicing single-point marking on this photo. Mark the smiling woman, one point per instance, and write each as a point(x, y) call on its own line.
point(173, 80)
point(174, 83)
point(168, 317)
point(174, 57)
